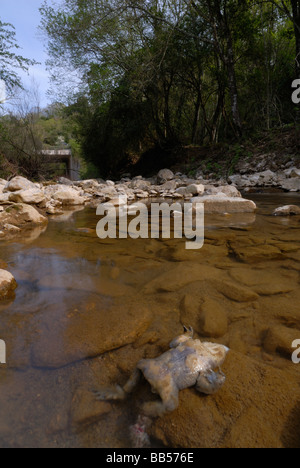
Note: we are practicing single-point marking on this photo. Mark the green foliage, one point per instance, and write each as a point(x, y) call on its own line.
point(10, 61)
point(160, 74)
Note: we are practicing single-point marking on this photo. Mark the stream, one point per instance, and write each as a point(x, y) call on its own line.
point(87, 310)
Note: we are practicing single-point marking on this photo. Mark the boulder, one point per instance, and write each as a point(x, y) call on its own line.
point(164, 175)
point(88, 184)
point(7, 284)
point(54, 208)
point(169, 186)
point(21, 215)
point(221, 204)
point(229, 191)
point(19, 183)
point(69, 197)
point(140, 184)
point(32, 196)
point(288, 210)
point(195, 189)
point(65, 181)
point(183, 191)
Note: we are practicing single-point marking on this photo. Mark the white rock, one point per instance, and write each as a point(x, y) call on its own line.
point(164, 175)
point(20, 215)
point(288, 210)
point(32, 196)
point(69, 197)
point(195, 189)
point(183, 191)
point(230, 191)
point(4, 197)
point(19, 183)
point(292, 172)
point(223, 204)
point(11, 228)
point(7, 284)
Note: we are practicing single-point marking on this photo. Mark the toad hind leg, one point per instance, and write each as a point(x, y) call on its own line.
point(119, 393)
point(210, 382)
point(169, 402)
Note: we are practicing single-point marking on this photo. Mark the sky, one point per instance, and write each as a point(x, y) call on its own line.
point(25, 16)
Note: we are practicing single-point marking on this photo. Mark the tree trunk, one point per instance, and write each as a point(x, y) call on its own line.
point(221, 30)
point(196, 117)
point(296, 18)
point(233, 89)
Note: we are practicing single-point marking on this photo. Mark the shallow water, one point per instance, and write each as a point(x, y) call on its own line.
point(75, 292)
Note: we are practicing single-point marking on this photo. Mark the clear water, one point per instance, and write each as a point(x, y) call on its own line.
point(66, 277)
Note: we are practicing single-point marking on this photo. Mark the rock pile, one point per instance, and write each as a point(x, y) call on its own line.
point(24, 203)
point(287, 179)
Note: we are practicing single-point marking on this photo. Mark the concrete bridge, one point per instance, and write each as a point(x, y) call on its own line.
point(64, 156)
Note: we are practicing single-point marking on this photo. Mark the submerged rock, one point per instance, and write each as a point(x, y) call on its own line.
point(86, 409)
point(265, 283)
point(181, 276)
point(89, 333)
point(235, 292)
point(213, 319)
point(208, 319)
point(252, 410)
point(280, 339)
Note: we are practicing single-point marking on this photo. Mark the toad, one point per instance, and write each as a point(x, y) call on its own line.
point(188, 363)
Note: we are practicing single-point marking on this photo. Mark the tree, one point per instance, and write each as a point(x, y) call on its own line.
point(157, 73)
point(10, 62)
point(291, 8)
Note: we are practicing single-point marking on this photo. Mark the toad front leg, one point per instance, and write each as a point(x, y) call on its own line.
point(210, 382)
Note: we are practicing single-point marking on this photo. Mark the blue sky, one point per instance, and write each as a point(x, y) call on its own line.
point(25, 16)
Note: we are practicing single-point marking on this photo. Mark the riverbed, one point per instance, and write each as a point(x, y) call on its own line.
point(87, 310)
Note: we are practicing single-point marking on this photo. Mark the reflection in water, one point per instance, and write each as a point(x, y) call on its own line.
point(78, 298)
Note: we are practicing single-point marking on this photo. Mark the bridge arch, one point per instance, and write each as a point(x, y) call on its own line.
point(65, 156)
